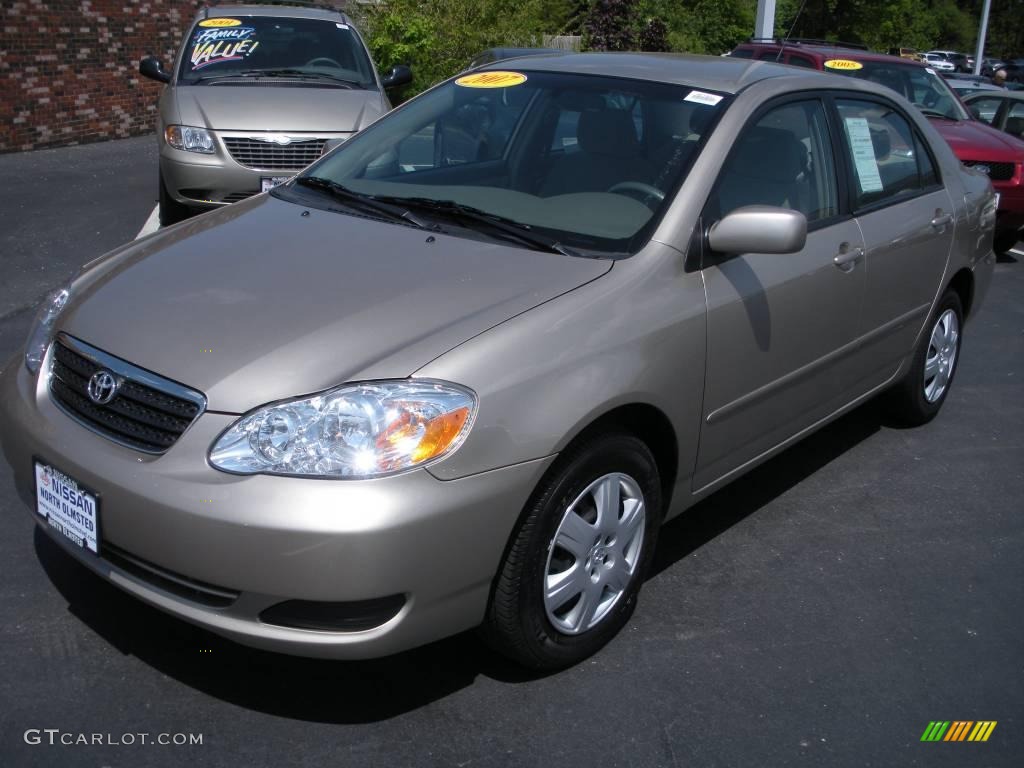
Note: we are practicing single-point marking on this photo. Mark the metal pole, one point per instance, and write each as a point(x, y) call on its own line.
point(981, 37)
point(764, 25)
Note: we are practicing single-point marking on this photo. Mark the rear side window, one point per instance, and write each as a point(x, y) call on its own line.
point(887, 160)
point(742, 53)
point(800, 61)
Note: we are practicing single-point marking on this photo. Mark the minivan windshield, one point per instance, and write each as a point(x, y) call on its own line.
point(915, 83)
point(585, 163)
point(274, 46)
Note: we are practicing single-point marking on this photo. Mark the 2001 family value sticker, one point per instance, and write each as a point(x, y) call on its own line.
point(491, 80)
point(843, 64)
point(220, 22)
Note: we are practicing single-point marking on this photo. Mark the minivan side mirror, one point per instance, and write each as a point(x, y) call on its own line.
point(399, 75)
point(152, 68)
point(759, 229)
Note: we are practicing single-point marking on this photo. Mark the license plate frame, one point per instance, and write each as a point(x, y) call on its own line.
point(77, 521)
point(267, 183)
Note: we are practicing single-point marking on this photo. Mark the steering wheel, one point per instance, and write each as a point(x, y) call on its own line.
point(321, 61)
point(645, 193)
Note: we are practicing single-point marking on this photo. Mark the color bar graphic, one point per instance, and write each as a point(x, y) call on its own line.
point(958, 730)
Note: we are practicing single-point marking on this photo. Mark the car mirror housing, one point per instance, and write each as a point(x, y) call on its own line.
point(399, 75)
point(152, 68)
point(759, 229)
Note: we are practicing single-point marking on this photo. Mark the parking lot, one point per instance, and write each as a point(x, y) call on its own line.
point(820, 612)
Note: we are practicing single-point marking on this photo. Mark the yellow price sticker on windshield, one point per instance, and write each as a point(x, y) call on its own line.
point(220, 22)
point(491, 80)
point(846, 64)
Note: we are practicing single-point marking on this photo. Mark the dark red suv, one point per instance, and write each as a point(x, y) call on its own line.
point(978, 145)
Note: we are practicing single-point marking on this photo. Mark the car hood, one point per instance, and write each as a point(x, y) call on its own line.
point(974, 140)
point(266, 300)
point(281, 108)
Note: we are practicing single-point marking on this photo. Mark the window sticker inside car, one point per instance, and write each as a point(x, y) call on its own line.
point(700, 97)
point(491, 80)
point(215, 46)
point(859, 132)
point(843, 64)
point(220, 23)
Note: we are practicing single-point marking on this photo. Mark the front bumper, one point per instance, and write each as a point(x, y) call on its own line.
point(1010, 215)
point(273, 539)
point(204, 181)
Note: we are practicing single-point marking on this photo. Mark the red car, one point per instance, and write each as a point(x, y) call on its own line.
point(978, 145)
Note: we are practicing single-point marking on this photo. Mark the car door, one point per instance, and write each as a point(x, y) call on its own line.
point(907, 219)
point(776, 322)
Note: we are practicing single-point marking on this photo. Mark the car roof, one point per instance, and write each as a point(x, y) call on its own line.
point(282, 10)
point(835, 51)
point(1015, 95)
point(718, 73)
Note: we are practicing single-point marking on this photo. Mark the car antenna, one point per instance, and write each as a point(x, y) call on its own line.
point(789, 34)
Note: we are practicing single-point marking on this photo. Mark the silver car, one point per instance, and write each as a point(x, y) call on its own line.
point(255, 94)
point(458, 372)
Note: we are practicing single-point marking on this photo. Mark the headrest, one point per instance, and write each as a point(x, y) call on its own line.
point(608, 132)
point(770, 154)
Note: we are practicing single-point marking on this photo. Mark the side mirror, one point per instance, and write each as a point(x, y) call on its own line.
point(759, 229)
point(399, 75)
point(975, 111)
point(152, 68)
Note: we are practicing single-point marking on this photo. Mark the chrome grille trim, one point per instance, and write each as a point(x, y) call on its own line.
point(268, 156)
point(149, 412)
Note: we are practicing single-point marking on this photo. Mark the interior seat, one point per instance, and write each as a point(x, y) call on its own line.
point(770, 167)
point(609, 153)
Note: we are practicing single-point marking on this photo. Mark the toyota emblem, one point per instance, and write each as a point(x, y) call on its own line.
point(102, 387)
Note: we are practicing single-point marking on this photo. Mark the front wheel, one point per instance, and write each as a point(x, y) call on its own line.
point(171, 211)
point(574, 566)
point(1004, 241)
point(922, 392)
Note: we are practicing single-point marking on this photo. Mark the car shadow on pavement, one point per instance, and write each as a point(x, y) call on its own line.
point(369, 691)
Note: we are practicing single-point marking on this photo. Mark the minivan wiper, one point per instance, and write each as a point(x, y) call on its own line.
point(291, 72)
point(506, 228)
point(365, 203)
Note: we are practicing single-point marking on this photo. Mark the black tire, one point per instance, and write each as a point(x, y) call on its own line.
point(1004, 241)
point(517, 624)
point(171, 211)
point(909, 402)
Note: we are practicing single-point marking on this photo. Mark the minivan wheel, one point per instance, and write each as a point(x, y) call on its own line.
point(1004, 241)
point(171, 211)
point(922, 392)
point(574, 566)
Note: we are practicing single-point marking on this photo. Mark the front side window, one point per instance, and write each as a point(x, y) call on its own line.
point(590, 162)
point(783, 160)
point(883, 153)
point(276, 46)
point(986, 109)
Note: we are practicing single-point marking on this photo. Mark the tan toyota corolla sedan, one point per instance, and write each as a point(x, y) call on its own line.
point(460, 370)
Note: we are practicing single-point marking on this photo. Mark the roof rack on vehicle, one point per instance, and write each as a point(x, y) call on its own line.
point(808, 41)
point(326, 5)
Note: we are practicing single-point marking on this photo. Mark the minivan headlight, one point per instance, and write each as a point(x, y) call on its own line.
point(41, 334)
point(189, 139)
point(355, 431)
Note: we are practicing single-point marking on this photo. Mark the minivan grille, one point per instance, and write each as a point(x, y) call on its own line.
point(148, 413)
point(996, 171)
point(266, 155)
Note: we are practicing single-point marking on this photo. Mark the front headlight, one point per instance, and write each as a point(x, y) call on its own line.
point(355, 431)
point(41, 335)
point(189, 139)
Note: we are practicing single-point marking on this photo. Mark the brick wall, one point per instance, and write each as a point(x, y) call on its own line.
point(69, 69)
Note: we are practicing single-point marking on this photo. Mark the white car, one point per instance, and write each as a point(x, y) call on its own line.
point(937, 62)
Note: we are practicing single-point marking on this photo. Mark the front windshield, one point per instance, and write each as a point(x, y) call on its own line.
point(588, 161)
point(276, 46)
point(917, 84)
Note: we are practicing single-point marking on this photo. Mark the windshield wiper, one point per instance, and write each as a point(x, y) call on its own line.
point(292, 72)
point(508, 229)
point(935, 113)
point(365, 203)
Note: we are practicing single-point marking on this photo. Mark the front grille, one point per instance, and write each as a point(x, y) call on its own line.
point(190, 589)
point(996, 171)
point(235, 197)
point(148, 413)
point(266, 155)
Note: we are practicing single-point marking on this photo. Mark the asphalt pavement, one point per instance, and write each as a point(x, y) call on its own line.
point(821, 611)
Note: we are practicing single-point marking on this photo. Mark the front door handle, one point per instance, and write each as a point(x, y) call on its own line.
point(847, 257)
point(942, 219)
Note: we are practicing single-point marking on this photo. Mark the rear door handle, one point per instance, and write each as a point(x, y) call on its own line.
point(847, 257)
point(942, 219)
